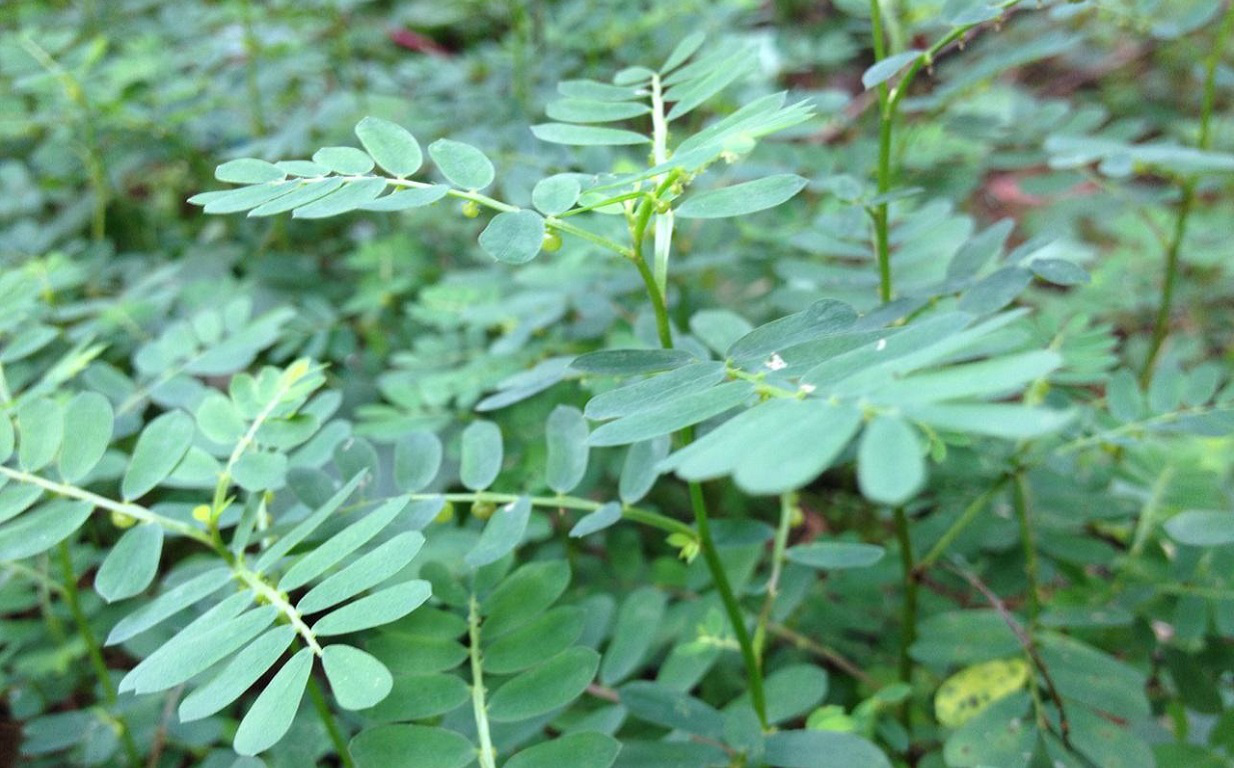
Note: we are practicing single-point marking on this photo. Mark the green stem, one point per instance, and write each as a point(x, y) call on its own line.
point(967, 516)
point(908, 609)
point(788, 506)
point(327, 719)
point(1019, 497)
point(488, 755)
point(252, 51)
point(886, 116)
point(719, 577)
point(73, 600)
point(1161, 326)
point(635, 514)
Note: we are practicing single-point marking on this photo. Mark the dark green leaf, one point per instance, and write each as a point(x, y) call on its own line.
point(407, 745)
point(546, 635)
point(576, 750)
point(834, 555)
point(632, 634)
point(807, 749)
point(545, 688)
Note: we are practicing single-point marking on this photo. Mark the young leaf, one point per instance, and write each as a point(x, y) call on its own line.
point(566, 462)
point(545, 688)
point(40, 422)
point(159, 449)
point(417, 459)
point(887, 68)
point(741, 199)
point(391, 145)
point(587, 135)
point(584, 749)
point(364, 572)
point(382, 607)
point(345, 161)
point(462, 164)
point(357, 680)
point(240, 673)
point(602, 518)
point(513, 237)
point(131, 564)
point(890, 462)
point(685, 48)
point(248, 170)
point(502, 533)
point(481, 455)
point(271, 714)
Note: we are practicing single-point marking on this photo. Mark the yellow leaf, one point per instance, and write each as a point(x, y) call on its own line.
point(970, 691)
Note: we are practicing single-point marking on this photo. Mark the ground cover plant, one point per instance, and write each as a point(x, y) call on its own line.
point(666, 386)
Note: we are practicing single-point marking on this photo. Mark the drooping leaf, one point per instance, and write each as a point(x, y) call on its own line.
point(741, 199)
point(462, 164)
point(481, 455)
point(271, 714)
point(890, 461)
point(502, 533)
point(602, 518)
point(40, 422)
point(159, 449)
point(357, 680)
point(132, 563)
point(513, 237)
point(238, 675)
point(391, 145)
point(631, 640)
point(42, 529)
point(566, 463)
point(887, 68)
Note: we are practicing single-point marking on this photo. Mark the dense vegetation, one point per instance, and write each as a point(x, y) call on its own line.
point(648, 385)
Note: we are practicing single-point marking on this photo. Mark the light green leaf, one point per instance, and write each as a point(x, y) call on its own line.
point(481, 455)
point(632, 76)
point(835, 555)
point(159, 449)
point(566, 462)
point(890, 461)
point(407, 745)
point(556, 194)
point(631, 641)
point(417, 459)
point(345, 161)
point(341, 544)
point(132, 563)
point(602, 518)
point(545, 688)
point(306, 527)
point(347, 198)
point(357, 680)
point(585, 749)
point(586, 135)
point(301, 196)
point(692, 93)
point(595, 91)
point(260, 470)
point(502, 533)
point(821, 319)
point(391, 145)
point(219, 420)
point(364, 572)
point(1202, 528)
point(587, 111)
point(7, 437)
point(991, 378)
point(670, 416)
point(382, 607)
point(406, 199)
point(887, 68)
point(623, 401)
point(40, 422)
point(462, 164)
point(302, 168)
point(248, 170)
point(640, 470)
point(169, 603)
point(741, 199)
point(42, 529)
point(684, 49)
point(240, 673)
point(1012, 422)
point(271, 714)
point(513, 237)
point(244, 198)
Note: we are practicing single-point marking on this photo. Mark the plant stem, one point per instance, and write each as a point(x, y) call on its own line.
point(659, 154)
point(644, 516)
point(1161, 326)
point(1019, 497)
point(886, 115)
point(967, 516)
point(488, 755)
point(788, 505)
point(93, 649)
point(908, 609)
point(252, 51)
point(327, 719)
point(711, 556)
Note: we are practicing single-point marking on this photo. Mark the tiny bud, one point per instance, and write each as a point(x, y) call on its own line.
point(483, 509)
point(201, 513)
point(552, 242)
point(446, 514)
point(121, 520)
point(471, 209)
